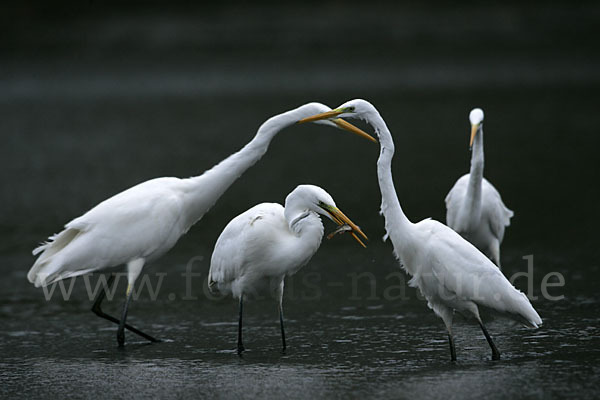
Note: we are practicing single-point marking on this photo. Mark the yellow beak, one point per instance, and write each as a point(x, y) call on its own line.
point(339, 122)
point(351, 128)
point(324, 115)
point(474, 129)
point(340, 218)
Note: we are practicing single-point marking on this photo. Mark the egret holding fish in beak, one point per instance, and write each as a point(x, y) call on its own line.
point(142, 223)
point(263, 245)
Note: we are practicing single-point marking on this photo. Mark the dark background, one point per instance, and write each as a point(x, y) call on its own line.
point(96, 97)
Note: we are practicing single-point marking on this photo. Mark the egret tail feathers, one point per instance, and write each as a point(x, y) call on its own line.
point(519, 305)
point(532, 317)
point(44, 271)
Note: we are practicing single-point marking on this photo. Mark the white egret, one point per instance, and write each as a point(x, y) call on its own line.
point(474, 207)
point(448, 270)
point(259, 247)
point(142, 223)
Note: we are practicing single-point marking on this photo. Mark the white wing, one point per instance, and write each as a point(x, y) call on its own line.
point(141, 222)
point(253, 231)
point(468, 274)
point(494, 210)
point(455, 199)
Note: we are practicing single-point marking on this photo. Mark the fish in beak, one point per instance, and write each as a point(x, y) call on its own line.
point(344, 224)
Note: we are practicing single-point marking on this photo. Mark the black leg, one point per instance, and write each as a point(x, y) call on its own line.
point(495, 352)
point(121, 330)
point(97, 309)
point(452, 348)
point(240, 345)
point(282, 329)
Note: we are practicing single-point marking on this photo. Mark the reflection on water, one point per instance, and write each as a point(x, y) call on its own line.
point(84, 116)
point(373, 349)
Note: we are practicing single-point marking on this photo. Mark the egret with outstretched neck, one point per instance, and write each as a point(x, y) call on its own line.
point(474, 207)
point(142, 223)
point(450, 272)
point(268, 242)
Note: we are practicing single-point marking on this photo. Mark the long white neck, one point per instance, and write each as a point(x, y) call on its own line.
point(307, 228)
point(397, 225)
point(201, 192)
point(472, 204)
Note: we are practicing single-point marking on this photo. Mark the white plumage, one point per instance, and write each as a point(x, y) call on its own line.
point(142, 223)
point(474, 207)
point(261, 246)
point(449, 271)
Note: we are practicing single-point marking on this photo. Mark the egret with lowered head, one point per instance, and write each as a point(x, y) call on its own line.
point(268, 242)
point(474, 207)
point(142, 223)
point(448, 270)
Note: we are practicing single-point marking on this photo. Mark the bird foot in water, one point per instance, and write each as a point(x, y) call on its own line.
point(240, 349)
